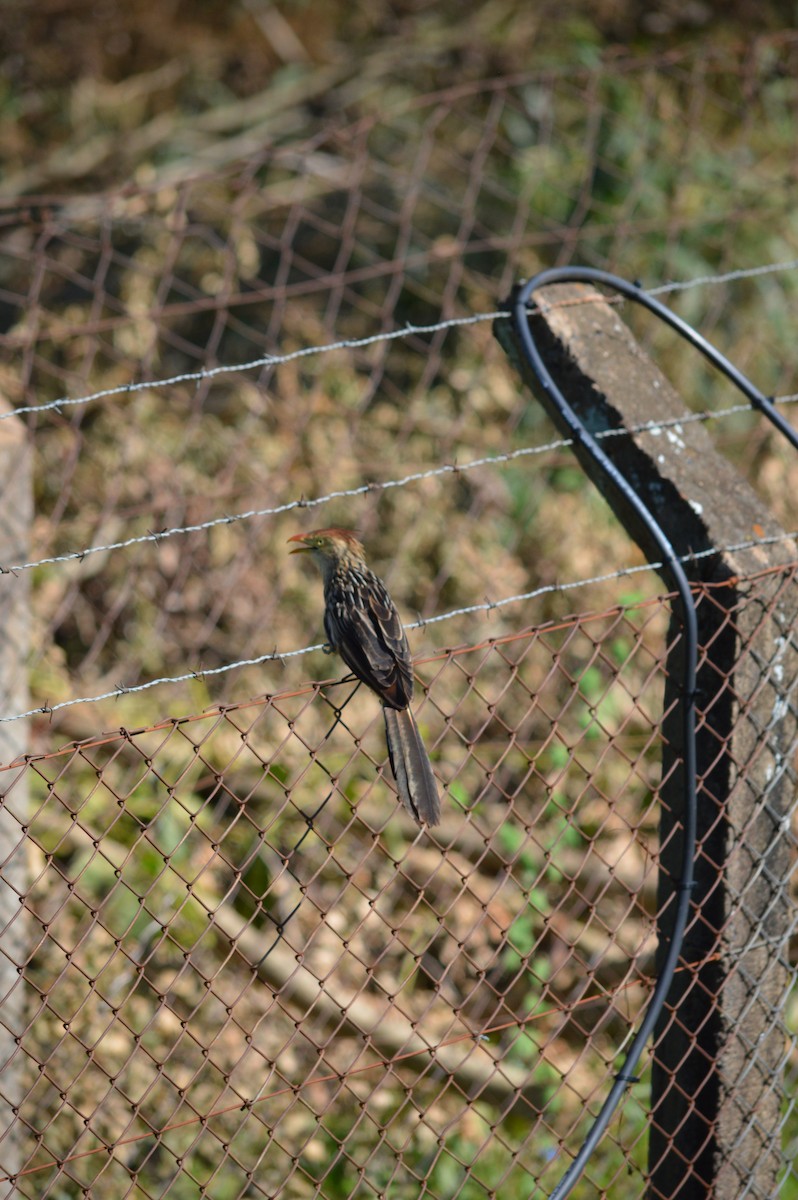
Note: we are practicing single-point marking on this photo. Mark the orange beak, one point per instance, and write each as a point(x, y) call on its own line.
point(298, 537)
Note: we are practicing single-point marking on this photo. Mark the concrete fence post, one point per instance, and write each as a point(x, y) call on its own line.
point(719, 1047)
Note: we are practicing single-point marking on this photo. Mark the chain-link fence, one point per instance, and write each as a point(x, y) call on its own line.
point(246, 973)
point(237, 969)
point(224, 910)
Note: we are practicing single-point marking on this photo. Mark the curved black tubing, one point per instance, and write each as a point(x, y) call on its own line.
point(632, 292)
point(673, 571)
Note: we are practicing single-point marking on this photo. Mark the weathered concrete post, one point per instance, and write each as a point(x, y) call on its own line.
point(716, 1082)
point(16, 512)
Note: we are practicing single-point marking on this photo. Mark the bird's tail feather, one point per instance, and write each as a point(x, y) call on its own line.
point(411, 767)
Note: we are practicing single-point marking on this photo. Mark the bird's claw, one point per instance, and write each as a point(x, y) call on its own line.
point(327, 648)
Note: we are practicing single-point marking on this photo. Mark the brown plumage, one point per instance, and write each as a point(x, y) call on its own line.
point(362, 624)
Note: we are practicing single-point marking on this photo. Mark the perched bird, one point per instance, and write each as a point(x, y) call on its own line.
point(362, 624)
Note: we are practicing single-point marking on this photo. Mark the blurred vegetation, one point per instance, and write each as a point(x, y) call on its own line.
point(203, 184)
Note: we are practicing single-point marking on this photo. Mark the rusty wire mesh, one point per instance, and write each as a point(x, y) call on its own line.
point(222, 911)
point(246, 973)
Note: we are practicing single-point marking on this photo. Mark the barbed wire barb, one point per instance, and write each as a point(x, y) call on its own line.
point(410, 329)
point(451, 614)
point(303, 502)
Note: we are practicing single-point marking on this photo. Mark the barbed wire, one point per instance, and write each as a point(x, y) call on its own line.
point(553, 625)
point(200, 673)
point(269, 360)
point(490, 460)
point(486, 606)
point(223, 708)
point(789, 264)
point(448, 468)
point(265, 360)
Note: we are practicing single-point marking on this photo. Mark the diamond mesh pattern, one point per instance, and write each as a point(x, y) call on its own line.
point(226, 908)
point(237, 969)
point(246, 969)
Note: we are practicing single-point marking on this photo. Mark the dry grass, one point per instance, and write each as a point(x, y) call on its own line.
point(209, 192)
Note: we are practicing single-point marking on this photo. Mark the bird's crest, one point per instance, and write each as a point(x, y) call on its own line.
point(317, 537)
point(334, 531)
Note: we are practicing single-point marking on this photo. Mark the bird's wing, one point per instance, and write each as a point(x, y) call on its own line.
point(367, 632)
